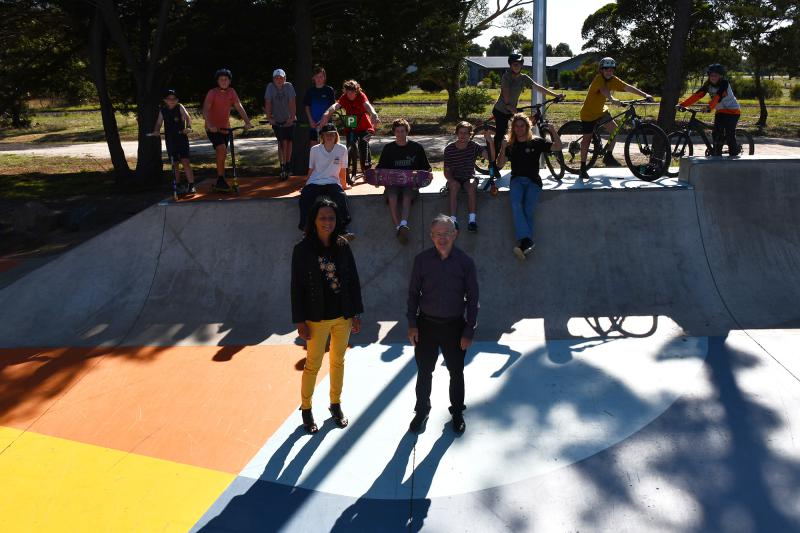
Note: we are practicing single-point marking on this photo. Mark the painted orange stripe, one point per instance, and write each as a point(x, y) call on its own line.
point(256, 188)
point(207, 406)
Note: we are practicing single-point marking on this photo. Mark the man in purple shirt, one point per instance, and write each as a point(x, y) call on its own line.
point(443, 288)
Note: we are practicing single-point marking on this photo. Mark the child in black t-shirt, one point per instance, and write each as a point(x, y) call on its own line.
point(177, 125)
point(402, 154)
point(524, 151)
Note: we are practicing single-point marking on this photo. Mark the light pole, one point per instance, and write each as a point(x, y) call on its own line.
point(538, 61)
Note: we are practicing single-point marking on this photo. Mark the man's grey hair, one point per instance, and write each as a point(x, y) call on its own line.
point(443, 219)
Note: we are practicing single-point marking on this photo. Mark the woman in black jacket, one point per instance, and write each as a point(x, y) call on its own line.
point(326, 302)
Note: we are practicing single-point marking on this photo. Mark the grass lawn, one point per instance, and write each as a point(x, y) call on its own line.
point(424, 110)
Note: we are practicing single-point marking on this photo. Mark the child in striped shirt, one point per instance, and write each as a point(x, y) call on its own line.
point(459, 169)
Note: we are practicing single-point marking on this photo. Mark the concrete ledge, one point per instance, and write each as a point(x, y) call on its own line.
point(693, 169)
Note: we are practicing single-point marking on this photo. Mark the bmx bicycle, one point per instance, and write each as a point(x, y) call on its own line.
point(353, 140)
point(647, 149)
point(683, 145)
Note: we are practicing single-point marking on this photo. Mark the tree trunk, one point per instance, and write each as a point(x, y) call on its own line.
point(452, 96)
point(302, 81)
point(673, 77)
point(762, 104)
point(98, 47)
point(149, 165)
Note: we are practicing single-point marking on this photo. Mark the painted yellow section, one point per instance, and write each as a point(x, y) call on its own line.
point(51, 484)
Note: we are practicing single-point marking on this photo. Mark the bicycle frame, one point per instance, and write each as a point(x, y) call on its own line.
point(629, 115)
point(698, 126)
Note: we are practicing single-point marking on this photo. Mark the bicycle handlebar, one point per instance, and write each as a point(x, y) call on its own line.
point(543, 104)
point(627, 103)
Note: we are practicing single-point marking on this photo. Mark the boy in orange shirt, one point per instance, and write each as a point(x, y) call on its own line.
point(217, 114)
point(726, 108)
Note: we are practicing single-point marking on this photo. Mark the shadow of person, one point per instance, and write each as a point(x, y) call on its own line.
point(273, 498)
point(407, 512)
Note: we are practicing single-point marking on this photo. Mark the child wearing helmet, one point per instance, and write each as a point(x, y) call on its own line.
point(726, 108)
point(511, 86)
point(595, 110)
point(217, 114)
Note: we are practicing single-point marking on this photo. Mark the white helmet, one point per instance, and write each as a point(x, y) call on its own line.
point(608, 62)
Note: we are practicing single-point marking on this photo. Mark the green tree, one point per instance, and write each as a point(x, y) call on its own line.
point(475, 49)
point(505, 44)
point(638, 34)
point(458, 23)
point(40, 57)
point(755, 26)
point(518, 21)
point(562, 50)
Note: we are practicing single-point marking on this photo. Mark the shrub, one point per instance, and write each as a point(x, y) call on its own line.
point(472, 101)
point(746, 88)
point(795, 92)
point(567, 79)
point(494, 77)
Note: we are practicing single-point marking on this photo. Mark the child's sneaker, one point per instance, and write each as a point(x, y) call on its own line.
point(402, 234)
point(610, 161)
point(222, 185)
point(523, 249)
point(472, 227)
point(191, 189)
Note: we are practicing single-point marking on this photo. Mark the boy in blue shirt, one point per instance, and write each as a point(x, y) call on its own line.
point(317, 100)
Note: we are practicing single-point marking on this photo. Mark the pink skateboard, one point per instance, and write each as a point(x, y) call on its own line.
point(384, 177)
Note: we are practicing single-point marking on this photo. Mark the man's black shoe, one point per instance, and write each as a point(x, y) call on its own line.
point(459, 426)
point(418, 422)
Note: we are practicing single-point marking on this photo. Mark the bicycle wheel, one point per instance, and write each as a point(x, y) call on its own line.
point(745, 142)
point(571, 134)
point(352, 163)
point(481, 163)
point(680, 146)
point(553, 160)
point(647, 152)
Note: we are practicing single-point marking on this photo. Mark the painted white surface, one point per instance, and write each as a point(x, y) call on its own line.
point(533, 407)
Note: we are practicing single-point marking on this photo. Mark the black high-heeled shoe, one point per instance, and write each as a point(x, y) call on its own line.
point(338, 415)
point(308, 421)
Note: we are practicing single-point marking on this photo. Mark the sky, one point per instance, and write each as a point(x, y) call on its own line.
point(564, 21)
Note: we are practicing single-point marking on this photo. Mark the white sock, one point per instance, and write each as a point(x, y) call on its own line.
point(472, 217)
point(403, 222)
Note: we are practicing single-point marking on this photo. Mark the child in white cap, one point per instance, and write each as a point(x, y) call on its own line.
point(280, 110)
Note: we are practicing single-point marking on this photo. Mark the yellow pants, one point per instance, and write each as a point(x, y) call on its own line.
point(339, 331)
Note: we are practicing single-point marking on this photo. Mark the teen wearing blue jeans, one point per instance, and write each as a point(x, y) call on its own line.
point(524, 151)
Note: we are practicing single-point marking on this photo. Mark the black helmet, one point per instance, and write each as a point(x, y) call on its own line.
point(328, 128)
point(170, 92)
point(716, 67)
point(223, 72)
point(514, 57)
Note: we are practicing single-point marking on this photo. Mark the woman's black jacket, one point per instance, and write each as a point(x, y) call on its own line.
point(307, 282)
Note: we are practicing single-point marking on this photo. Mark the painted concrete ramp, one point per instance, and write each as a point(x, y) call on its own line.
point(217, 273)
point(213, 273)
point(749, 216)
